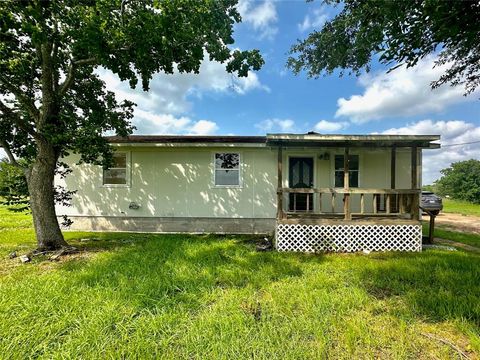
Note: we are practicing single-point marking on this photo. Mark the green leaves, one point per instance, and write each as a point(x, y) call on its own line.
point(400, 32)
point(461, 181)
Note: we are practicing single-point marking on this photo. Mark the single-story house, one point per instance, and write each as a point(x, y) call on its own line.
point(314, 192)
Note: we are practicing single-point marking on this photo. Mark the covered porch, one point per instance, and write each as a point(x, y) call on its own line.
point(352, 212)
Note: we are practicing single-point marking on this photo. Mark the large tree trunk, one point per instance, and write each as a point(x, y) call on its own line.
point(40, 178)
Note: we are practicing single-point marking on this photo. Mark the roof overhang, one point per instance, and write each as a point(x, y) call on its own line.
point(368, 141)
point(187, 141)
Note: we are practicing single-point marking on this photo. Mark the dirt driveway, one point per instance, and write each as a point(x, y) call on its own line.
point(460, 222)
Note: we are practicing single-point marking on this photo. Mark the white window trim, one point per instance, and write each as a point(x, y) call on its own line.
point(332, 167)
point(127, 175)
point(240, 167)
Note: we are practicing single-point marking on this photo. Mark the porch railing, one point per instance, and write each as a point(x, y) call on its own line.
point(402, 203)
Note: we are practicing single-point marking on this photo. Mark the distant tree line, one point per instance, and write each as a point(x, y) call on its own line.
point(461, 181)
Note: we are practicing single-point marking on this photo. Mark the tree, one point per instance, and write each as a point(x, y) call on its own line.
point(461, 181)
point(53, 103)
point(400, 32)
point(13, 186)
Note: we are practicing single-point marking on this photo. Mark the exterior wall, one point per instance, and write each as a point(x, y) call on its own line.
point(177, 183)
point(175, 224)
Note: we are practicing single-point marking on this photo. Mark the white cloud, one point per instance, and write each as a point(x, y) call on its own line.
point(169, 93)
point(262, 18)
point(204, 127)
point(314, 20)
point(329, 126)
point(150, 123)
point(452, 132)
point(402, 92)
point(281, 125)
point(159, 110)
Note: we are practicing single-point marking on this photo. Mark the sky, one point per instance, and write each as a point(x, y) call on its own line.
point(274, 100)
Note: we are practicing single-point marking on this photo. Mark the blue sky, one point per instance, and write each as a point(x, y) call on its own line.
point(275, 100)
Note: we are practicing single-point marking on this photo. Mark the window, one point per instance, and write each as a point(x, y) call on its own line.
point(353, 170)
point(117, 174)
point(227, 169)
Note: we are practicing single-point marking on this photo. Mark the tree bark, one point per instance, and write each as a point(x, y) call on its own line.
point(40, 177)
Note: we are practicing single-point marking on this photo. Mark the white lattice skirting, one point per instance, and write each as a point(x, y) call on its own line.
point(348, 238)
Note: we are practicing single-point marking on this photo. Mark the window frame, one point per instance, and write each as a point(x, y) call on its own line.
point(240, 166)
point(334, 170)
point(127, 172)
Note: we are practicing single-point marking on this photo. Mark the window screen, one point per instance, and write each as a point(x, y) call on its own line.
point(227, 169)
point(117, 174)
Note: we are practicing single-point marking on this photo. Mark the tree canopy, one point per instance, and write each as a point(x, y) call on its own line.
point(53, 103)
point(461, 180)
point(399, 32)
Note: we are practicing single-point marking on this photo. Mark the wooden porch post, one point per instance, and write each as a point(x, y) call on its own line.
point(346, 185)
point(280, 185)
point(415, 198)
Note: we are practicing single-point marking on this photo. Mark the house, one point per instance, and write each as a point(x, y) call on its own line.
point(315, 192)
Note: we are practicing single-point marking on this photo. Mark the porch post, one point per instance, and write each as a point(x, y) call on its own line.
point(280, 185)
point(346, 185)
point(415, 198)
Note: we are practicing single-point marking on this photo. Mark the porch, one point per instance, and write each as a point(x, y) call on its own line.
point(348, 218)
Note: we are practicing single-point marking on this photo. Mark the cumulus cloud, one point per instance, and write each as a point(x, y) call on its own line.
point(314, 20)
point(452, 132)
point(151, 124)
point(169, 93)
point(261, 17)
point(277, 125)
point(159, 110)
point(402, 92)
point(329, 126)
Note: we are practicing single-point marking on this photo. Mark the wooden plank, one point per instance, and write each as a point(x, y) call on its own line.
point(346, 184)
point(401, 205)
point(308, 202)
point(362, 203)
point(333, 202)
point(388, 204)
point(374, 203)
point(280, 213)
point(350, 191)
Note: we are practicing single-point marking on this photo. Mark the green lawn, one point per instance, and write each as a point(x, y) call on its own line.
point(213, 297)
point(460, 207)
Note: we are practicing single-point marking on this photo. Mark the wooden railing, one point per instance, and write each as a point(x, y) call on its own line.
point(384, 202)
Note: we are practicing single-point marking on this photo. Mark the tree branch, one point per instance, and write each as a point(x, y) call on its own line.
point(11, 158)
point(21, 97)
point(21, 123)
point(71, 73)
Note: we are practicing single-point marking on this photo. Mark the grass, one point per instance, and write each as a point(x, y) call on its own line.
point(215, 297)
point(460, 207)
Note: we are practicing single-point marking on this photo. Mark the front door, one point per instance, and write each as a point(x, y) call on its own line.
point(300, 176)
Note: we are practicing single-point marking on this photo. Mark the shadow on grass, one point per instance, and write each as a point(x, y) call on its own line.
point(435, 285)
point(158, 272)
